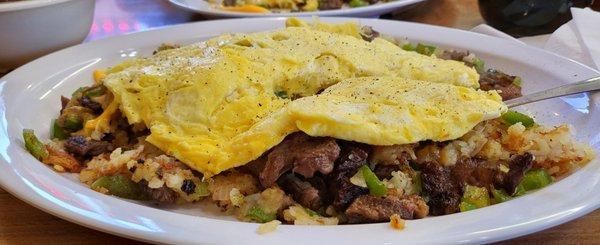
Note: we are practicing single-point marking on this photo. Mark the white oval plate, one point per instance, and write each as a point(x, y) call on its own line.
point(29, 98)
point(203, 7)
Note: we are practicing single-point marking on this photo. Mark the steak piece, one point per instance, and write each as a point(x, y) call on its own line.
point(370, 209)
point(162, 195)
point(475, 172)
point(444, 185)
point(330, 4)
point(302, 192)
point(343, 191)
point(444, 193)
point(64, 101)
point(385, 171)
point(496, 80)
point(255, 167)
point(83, 148)
point(518, 166)
point(455, 55)
point(87, 102)
point(302, 154)
point(367, 33)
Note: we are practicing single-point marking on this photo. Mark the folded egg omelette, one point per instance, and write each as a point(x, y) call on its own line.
point(221, 103)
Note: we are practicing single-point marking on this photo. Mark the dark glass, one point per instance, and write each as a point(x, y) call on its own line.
point(529, 17)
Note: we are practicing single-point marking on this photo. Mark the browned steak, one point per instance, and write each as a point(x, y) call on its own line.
point(445, 185)
point(370, 209)
point(330, 4)
point(87, 102)
point(496, 80)
point(443, 192)
point(302, 192)
point(368, 34)
point(302, 154)
point(385, 171)
point(343, 191)
point(519, 164)
point(82, 147)
point(455, 55)
point(475, 172)
point(63, 102)
point(162, 195)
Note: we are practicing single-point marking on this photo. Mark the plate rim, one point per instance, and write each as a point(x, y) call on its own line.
point(99, 225)
point(377, 8)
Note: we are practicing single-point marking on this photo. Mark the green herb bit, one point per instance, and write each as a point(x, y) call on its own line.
point(408, 47)
point(518, 81)
point(311, 213)
point(95, 91)
point(425, 49)
point(78, 93)
point(201, 190)
point(513, 117)
point(257, 214)
point(417, 182)
point(34, 145)
point(479, 65)
point(119, 185)
point(357, 3)
point(376, 187)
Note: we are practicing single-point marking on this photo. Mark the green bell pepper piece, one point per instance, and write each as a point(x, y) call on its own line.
point(465, 206)
point(518, 81)
point(475, 196)
point(425, 49)
point(73, 122)
point(121, 186)
point(95, 91)
point(376, 187)
point(500, 195)
point(34, 145)
point(201, 190)
point(257, 214)
point(513, 117)
point(418, 182)
point(535, 179)
point(57, 132)
point(357, 3)
point(479, 65)
point(408, 47)
point(77, 93)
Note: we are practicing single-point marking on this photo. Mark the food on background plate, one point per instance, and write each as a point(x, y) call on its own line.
point(286, 6)
point(313, 124)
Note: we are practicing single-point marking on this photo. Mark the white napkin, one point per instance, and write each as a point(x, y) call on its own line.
point(579, 39)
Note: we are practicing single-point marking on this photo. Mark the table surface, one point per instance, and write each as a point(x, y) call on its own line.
point(20, 223)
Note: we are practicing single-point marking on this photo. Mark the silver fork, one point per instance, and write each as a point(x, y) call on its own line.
point(592, 84)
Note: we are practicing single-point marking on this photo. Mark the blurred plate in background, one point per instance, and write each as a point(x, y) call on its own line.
point(204, 7)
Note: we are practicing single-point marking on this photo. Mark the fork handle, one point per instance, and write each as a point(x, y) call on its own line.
point(588, 85)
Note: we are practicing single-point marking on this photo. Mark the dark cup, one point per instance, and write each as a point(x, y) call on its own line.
point(529, 17)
